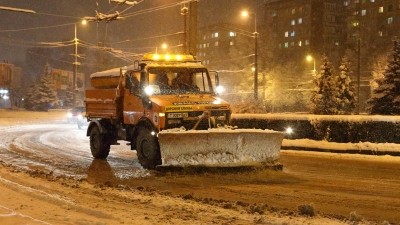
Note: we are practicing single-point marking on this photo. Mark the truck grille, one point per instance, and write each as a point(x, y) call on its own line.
point(191, 119)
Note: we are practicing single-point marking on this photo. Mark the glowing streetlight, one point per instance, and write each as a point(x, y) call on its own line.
point(164, 46)
point(310, 58)
point(246, 14)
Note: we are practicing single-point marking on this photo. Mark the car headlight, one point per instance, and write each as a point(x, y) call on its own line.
point(80, 116)
point(69, 115)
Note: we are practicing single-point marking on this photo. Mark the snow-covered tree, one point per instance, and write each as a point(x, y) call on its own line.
point(346, 100)
point(41, 96)
point(68, 99)
point(378, 69)
point(29, 97)
point(324, 95)
point(385, 97)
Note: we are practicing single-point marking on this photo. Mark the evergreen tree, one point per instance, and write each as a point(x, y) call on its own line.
point(345, 89)
point(29, 97)
point(41, 96)
point(45, 96)
point(385, 97)
point(324, 95)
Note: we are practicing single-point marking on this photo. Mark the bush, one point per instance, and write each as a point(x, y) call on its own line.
point(306, 210)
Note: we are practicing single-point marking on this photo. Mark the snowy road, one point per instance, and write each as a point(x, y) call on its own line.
point(339, 186)
point(60, 148)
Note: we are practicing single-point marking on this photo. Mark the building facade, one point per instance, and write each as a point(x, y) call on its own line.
point(62, 81)
point(10, 85)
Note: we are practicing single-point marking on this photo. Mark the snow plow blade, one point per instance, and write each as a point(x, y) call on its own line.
point(219, 147)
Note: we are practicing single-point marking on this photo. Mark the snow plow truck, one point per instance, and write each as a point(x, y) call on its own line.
point(167, 109)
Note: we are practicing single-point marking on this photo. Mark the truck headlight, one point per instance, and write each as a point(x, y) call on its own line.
point(219, 89)
point(149, 90)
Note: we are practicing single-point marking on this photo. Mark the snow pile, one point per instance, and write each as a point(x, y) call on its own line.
point(219, 147)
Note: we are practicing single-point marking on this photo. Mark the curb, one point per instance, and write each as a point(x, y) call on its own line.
point(347, 151)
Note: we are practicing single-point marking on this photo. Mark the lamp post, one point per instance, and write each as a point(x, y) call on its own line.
point(246, 14)
point(75, 63)
point(310, 58)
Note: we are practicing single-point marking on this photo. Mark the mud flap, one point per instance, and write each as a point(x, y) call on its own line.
point(219, 147)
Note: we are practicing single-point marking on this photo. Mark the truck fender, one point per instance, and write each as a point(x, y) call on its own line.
point(143, 122)
point(92, 124)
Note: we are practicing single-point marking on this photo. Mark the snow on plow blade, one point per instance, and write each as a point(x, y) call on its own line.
point(219, 147)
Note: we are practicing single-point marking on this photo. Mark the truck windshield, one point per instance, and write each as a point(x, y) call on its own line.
point(177, 80)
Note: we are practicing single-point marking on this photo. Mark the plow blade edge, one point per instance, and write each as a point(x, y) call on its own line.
point(220, 147)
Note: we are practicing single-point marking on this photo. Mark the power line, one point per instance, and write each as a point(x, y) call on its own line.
point(37, 28)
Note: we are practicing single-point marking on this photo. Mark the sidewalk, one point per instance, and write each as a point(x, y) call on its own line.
point(366, 148)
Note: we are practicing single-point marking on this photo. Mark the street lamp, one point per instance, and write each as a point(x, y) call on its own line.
point(75, 63)
point(310, 58)
point(246, 14)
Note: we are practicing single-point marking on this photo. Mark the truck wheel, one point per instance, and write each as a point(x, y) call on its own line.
point(99, 145)
point(148, 150)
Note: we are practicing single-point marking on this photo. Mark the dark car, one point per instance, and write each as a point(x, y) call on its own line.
point(77, 115)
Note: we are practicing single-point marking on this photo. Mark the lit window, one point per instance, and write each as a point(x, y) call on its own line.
point(293, 22)
point(293, 11)
point(287, 34)
point(300, 21)
point(231, 43)
point(337, 43)
point(380, 9)
point(390, 20)
point(300, 43)
point(232, 34)
point(216, 43)
point(204, 37)
point(363, 12)
point(355, 24)
point(307, 42)
point(380, 33)
point(346, 3)
point(292, 34)
point(286, 44)
point(215, 35)
point(372, 0)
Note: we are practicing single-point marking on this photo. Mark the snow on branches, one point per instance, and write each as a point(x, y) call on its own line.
point(333, 93)
point(385, 97)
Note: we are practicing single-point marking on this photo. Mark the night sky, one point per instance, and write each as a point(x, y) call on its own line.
point(58, 12)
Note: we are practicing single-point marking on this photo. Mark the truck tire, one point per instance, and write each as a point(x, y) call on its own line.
point(99, 145)
point(148, 149)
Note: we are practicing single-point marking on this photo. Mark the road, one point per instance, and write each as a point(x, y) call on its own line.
point(41, 161)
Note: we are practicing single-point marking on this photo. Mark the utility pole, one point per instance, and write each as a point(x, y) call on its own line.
point(255, 58)
point(193, 5)
point(75, 70)
point(184, 12)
